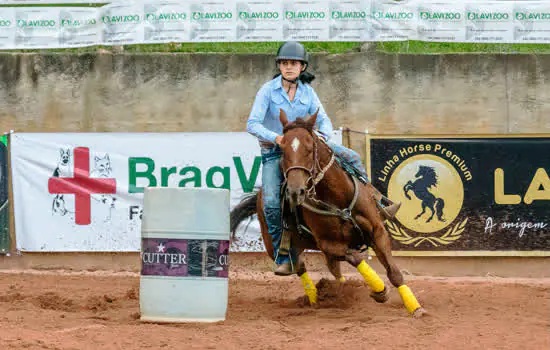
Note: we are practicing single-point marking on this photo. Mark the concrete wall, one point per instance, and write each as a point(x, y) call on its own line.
point(383, 93)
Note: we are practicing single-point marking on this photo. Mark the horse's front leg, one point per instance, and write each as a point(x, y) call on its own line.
point(309, 286)
point(379, 291)
point(333, 265)
point(343, 252)
point(382, 247)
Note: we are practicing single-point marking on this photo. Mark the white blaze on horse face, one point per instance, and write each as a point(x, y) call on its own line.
point(295, 144)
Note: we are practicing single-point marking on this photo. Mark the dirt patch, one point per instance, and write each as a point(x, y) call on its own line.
point(11, 297)
point(333, 294)
point(99, 303)
point(132, 294)
point(267, 312)
point(54, 301)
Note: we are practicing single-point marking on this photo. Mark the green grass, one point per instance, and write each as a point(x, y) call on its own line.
point(261, 48)
point(411, 47)
point(420, 47)
point(407, 47)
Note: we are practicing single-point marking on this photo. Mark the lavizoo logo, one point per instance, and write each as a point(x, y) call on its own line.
point(211, 16)
point(304, 15)
point(253, 16)
point(431, 191)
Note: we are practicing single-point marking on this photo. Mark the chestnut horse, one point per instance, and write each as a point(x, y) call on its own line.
point(339, 214)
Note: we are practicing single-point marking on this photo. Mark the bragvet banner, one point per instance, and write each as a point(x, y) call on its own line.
point(161, 21)
point(84, 191)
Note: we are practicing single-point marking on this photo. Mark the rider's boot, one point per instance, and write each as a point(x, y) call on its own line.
point(285, 269)
point(391, 210)
point(388, 211)
point(284, 264)
point(281, 243)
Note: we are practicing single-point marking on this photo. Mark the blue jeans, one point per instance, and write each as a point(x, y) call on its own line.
point(271, 195)
point(350, 156)
point(271, 191)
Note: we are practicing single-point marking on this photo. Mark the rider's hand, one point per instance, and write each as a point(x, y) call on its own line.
point(279, 140)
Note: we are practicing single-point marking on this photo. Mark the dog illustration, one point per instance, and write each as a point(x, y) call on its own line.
point(60, 205)
point(64, 165)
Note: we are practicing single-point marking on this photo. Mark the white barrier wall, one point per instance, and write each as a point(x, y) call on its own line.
point(161, 21)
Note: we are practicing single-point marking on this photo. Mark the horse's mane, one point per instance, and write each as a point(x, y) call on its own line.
point(298, 123)
point(429, 175)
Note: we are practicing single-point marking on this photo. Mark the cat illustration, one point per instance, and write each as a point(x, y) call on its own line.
point(102, 169)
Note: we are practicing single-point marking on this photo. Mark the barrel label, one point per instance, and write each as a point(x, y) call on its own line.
point(184, 257)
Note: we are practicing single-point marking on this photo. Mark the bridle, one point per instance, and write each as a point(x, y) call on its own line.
point(315, 173)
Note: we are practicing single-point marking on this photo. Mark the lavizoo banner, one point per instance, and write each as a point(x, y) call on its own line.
point(4, 207)
point(84, 191)
point(465, 195)
point(129, 22)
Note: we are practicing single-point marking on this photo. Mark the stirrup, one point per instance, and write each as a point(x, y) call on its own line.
point(285, 269)
point(391, 210)
point(388, 212)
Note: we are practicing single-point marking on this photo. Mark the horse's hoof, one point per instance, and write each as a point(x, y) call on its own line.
point(419, 312)
point(381, 297)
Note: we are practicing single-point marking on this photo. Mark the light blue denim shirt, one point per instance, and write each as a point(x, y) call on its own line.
point(264, 122)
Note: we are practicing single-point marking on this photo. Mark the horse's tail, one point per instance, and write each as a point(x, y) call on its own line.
point(245, 209)
point(439, 205)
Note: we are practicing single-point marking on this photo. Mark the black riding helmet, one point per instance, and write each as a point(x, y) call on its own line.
point(292, 50)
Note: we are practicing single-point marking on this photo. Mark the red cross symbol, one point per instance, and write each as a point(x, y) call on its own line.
point(81, 185)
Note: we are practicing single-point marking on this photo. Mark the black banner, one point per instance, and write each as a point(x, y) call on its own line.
point(466, 194)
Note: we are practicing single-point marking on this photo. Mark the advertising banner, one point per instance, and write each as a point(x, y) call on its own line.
point(350, 20)
point(532, 22)
point(489, 22)
point(126, 22)
point(468, 196)
point(84, 191)
point(306, 20)
point(394, 21)
point(4, 205)
point(259, 20)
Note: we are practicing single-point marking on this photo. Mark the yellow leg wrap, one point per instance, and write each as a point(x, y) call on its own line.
point(309, 287)
point(342, 279)
point(408, 298)
point(371, 277)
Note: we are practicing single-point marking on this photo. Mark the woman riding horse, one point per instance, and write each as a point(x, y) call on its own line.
point(290, 90)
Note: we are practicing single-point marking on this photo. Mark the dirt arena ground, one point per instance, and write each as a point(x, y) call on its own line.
point(100, 310)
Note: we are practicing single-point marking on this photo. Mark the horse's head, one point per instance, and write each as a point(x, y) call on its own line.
point(299, 153)
point(420, 172)
point(428, 175)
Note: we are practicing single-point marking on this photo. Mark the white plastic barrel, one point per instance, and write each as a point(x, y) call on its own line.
point(184, 255)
